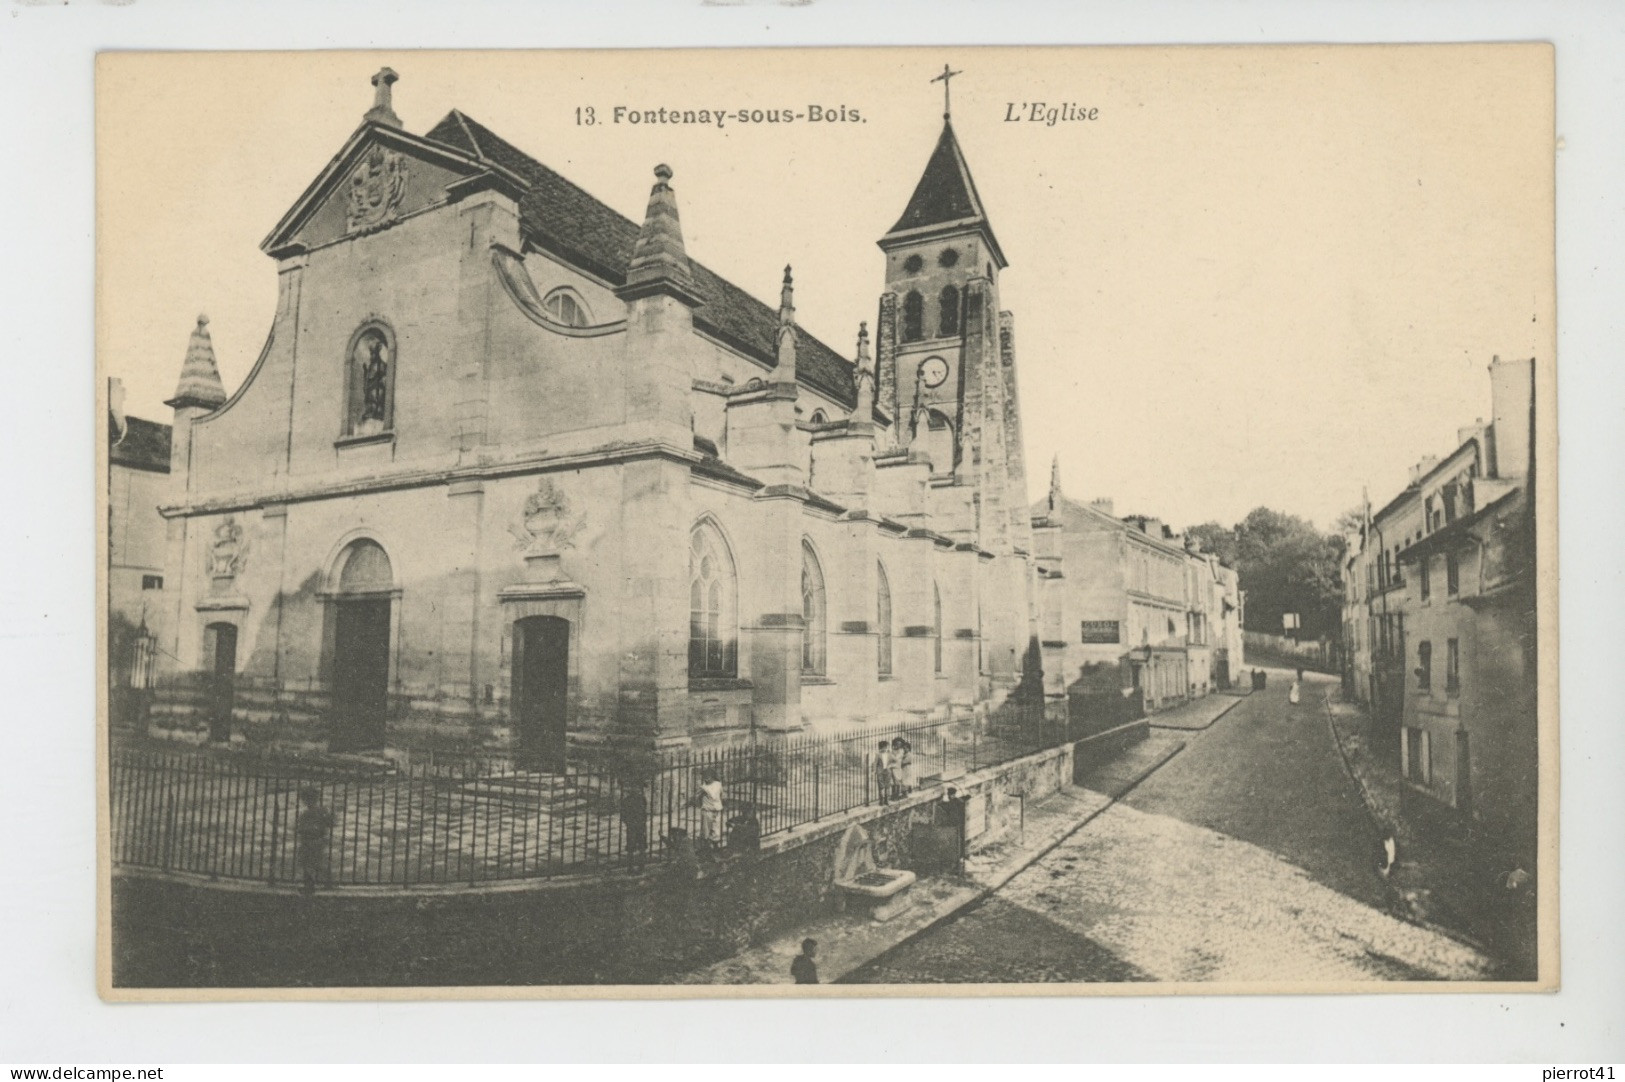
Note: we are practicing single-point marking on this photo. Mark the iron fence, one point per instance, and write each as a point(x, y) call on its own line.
point(432, 820)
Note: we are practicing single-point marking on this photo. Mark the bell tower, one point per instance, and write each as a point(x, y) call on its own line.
point(938, 324)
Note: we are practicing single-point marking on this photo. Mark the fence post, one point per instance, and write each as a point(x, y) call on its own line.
point(276, 837)
point(816, 788)
point(169, 823)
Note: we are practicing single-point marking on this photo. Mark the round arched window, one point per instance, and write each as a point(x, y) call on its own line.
point(566, 307)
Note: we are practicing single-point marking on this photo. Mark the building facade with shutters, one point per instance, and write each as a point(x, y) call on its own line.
point(1445, 588)
point(513, 471)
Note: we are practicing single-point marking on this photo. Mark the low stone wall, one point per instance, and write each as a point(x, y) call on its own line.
point(615, 928)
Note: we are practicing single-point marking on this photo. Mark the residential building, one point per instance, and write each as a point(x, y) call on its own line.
point(1131, 595)
point(1445, 577)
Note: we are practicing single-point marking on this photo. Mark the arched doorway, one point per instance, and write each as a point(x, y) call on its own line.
point(361, 620)
point(541, 675)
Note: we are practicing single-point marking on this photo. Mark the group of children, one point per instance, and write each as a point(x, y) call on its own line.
point(895, 774)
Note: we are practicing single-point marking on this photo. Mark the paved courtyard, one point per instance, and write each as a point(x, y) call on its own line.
point(1249, 857)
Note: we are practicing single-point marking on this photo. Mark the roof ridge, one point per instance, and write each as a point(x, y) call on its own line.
point(462, 122)
point(725, 316)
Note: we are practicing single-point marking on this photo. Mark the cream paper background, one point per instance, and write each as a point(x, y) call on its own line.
point(46, 927)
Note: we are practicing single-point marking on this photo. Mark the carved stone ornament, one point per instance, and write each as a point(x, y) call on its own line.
point(548, 524)
point(228, 552)
point(376, 189)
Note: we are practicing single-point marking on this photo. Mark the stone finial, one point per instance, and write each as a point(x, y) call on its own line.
point(659, 261)
point(786, 372)
point(787, 298)
point(200, 377)
point(383, 110)
point(864, 378)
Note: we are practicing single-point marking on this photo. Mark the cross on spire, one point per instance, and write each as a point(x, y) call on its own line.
point(944, 78)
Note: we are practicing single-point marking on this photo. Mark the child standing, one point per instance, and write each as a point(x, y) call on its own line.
point(313, 840)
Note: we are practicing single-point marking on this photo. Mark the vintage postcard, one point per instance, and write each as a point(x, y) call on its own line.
point(671, 523)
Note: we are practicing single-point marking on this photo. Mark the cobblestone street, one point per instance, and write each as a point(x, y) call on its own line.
point(1249, 857)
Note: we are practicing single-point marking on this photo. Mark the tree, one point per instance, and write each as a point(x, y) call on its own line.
point(1285, 565)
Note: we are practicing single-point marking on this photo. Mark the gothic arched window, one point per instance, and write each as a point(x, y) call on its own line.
point(913, 316)
point(948, 323)
point(936, 629)
point(370, 381)
point(566, 306)
point(814, 609)
point(713, 621)
point(882, 620)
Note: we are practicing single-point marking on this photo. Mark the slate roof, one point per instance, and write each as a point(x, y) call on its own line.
point(946, 193)
point(145, 445)
point(561, 218)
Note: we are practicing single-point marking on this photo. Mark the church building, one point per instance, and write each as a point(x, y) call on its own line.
point(513, 472)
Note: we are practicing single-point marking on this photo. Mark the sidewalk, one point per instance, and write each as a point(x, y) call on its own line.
point(1198, 713)
point(1437, 879)
point(847, 941)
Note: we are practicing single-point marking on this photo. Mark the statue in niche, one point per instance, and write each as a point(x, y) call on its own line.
point(374, 378)
point(370, 359)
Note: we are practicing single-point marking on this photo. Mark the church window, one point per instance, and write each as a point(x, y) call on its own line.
point(913, 316)
point(818, 418)
point(936, 629)
point(882, 620)
point(565, 306)
point(814, 609)
point(948, 258)
point(712, 612)
point(949, 322)
point(370, 382)
point(913, 264)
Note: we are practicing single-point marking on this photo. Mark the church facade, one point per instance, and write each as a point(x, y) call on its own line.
point(513, 472)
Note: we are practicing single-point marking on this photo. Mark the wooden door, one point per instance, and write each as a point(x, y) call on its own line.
point(541, 674)
point(222, 648)
point(360, 686)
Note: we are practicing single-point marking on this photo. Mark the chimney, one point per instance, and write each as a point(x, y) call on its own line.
point(1422, 467)
point(1103, 504)
point(1511, 400)
point(383, 110)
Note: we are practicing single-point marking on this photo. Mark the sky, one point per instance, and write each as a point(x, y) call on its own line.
point(1261, 276)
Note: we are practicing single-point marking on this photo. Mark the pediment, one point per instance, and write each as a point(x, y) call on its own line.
point(381, 176)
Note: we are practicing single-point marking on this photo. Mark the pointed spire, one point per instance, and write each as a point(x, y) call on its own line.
point(864, 378)
point(200, 377)
point(786, 372)
point(787, 299)
point(659, 261)
point(944, 200)
point(383, 110)
point(1054, 481)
